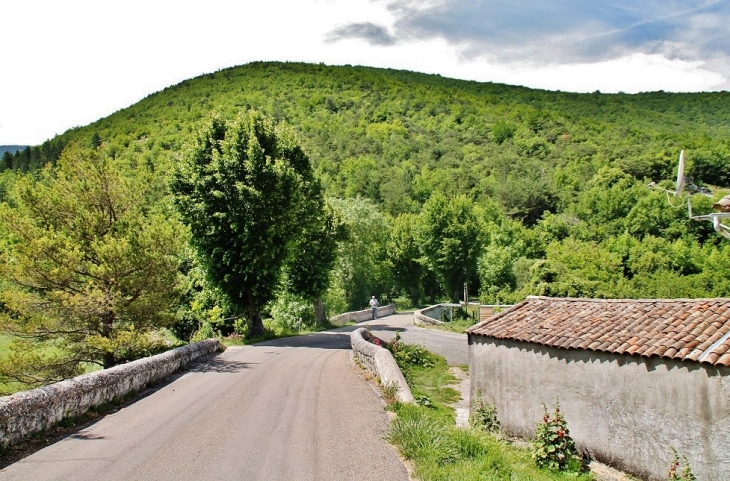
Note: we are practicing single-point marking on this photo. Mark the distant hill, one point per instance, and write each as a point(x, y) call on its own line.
point(11, 148)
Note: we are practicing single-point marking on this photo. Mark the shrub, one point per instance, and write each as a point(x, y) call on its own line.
point(483, 414)
point(288, 309)
point(552, 447)
point(394, 345)
point(408, 355)
point(205, 332)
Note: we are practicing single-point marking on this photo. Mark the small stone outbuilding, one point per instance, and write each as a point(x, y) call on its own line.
point(634, 378)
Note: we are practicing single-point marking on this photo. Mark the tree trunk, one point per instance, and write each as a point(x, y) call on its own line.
point(456, 295)
point(255, 324)
point(414, 295)
point(319, 313)
point(108, 359)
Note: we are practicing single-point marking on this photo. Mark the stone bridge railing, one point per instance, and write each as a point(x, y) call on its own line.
point(360, 316)
point(379, 361)
point(26, 413)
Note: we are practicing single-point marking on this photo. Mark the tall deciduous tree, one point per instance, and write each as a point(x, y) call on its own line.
point(242, 189)
point(450, 238)
point(88, 270)
point(361, 269)
point(314, 257)
point(404, 255)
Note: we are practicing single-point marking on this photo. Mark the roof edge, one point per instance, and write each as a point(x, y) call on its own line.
point(588, 299)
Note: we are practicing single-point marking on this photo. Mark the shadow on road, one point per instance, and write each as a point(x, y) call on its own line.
point(87, 436)
point(384, 327)
point(321, 340)
point(219, 365)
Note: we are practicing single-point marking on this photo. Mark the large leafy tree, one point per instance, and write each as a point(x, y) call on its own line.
point(242, 187)
point(88, 269)
point(451, 240)
point(361, 269)
point(404, 255)
point(309, 270)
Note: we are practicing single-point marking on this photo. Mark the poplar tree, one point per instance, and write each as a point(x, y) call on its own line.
point(242, 188)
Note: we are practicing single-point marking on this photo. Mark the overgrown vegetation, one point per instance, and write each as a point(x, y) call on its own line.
point(426, 435)
point(483, 414)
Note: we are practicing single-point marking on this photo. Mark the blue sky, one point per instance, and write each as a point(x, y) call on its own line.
point(69, 63)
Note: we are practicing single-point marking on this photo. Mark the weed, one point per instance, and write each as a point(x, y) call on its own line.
point(409, 355)
point(68, 421)
point(483, 414)
point(419, 437)
point(686, 474)
point(390, 392)
point(552, 447)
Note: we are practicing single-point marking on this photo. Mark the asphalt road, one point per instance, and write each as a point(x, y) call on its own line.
point(291, 408)
point(287, 409)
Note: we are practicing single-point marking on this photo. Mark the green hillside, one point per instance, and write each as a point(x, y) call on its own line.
point(394, 136)
point(556, 180)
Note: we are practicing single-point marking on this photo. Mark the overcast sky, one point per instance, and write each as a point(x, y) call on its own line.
point(65, 63)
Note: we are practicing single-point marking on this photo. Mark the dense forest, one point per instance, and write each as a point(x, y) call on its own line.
point(442, 182)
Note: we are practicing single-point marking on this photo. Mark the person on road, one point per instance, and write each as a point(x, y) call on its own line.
point(374, 307)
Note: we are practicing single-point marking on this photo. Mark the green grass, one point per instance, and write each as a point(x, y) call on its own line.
point(427, 436)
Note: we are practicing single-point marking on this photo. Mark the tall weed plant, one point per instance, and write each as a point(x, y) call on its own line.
point(553, 447)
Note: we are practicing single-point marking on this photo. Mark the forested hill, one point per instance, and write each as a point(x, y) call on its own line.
point(560, 174)
point(393, 136)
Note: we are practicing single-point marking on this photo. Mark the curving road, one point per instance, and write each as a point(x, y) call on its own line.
point(293, 408)
point(451, 345)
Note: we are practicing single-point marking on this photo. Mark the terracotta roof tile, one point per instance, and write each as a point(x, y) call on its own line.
point(724, 360)
point(685, 329)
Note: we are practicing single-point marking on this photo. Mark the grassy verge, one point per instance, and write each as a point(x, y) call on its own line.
point(426, 434)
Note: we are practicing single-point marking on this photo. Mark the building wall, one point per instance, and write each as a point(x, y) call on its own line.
point(626, 411)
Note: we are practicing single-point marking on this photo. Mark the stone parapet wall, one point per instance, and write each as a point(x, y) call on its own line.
point(379, 361)
point(26, 413)
point(429, 315)
point(360, 316)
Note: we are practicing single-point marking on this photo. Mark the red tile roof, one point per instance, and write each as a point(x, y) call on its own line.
point(683, 329)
